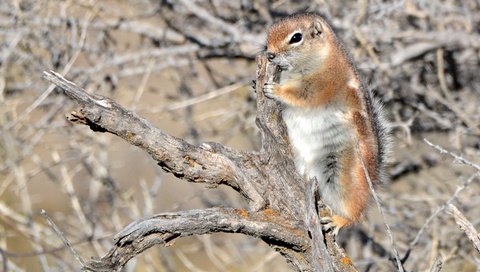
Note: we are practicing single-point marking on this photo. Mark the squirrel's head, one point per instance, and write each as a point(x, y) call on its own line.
point(299, 40)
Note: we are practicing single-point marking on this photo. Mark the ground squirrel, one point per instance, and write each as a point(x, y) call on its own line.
point(334, 123)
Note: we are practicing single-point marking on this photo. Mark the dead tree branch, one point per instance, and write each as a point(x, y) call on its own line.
point(165, 228)
point(268, 179)
point(209, 163)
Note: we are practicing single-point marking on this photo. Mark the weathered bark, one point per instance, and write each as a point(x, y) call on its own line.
point(282, 210)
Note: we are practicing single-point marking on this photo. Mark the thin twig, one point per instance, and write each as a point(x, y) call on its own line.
point(380, 209)
point(455, 156)
point(465, 225)
point(199, 99)
point(4, 260)
point(436, 213)
point(62, 237)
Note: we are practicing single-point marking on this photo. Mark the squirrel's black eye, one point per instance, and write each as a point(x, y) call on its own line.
point(297, 37)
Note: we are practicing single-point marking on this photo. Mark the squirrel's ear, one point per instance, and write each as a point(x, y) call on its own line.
point(317, 27)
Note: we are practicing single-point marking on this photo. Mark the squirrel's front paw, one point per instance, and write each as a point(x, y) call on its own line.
point(269, 89)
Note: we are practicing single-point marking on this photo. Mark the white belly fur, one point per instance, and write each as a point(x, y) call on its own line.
point(314, 134)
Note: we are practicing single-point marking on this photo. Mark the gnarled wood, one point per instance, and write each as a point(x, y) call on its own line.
point(282, 211)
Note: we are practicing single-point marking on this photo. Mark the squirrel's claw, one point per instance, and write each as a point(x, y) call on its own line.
point(328, 225)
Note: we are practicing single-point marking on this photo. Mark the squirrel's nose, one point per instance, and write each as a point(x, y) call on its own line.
point(270, 56)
